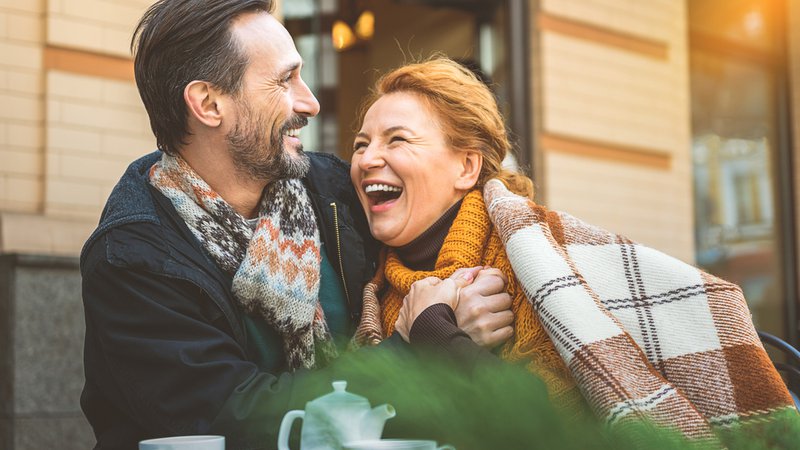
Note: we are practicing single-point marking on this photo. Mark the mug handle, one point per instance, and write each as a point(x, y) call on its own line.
point(286, 427)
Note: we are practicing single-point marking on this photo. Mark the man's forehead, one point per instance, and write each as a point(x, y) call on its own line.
point(266, 42)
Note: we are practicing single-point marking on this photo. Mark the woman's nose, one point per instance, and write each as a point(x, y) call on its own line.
point(371, 158)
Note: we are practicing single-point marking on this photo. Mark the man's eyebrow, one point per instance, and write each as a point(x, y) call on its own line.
point(292, 67)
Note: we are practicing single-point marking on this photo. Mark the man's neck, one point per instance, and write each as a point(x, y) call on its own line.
point(240, 191)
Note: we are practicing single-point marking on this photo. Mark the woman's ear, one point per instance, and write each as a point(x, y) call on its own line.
point(203, 103)
point(472, 163)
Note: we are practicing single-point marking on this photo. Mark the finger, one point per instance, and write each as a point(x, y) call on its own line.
point(461, 281)
point(498, 302)
point(487, 285)
point(499, 320)
point(433, 281)
point(500, 336)
point(491, 271)
point(468, 273)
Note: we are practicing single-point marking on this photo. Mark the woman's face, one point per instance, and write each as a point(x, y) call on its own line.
point(404, 172)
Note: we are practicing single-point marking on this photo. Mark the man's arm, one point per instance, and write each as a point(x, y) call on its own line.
point(174, 367)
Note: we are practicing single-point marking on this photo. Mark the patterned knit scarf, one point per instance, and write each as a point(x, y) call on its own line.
point(472, 241)
point(275, 268)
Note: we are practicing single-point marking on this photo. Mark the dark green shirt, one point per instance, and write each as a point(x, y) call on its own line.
point(264, 344)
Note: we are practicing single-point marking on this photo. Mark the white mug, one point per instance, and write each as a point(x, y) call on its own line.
point(184, 443)
point(395, 444)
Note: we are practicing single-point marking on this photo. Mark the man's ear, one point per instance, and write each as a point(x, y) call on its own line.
point(471, 163)
point(203, 103)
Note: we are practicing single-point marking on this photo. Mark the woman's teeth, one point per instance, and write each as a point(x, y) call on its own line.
point(381, 188)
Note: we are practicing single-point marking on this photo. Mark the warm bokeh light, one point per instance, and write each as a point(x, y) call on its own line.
point(365, 26)
point(342, 36)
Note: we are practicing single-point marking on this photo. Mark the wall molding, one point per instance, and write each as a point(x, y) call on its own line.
point(649, 157)
point(87, 63)
point(650, 48)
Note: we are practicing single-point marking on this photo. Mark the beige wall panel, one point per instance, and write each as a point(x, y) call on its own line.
point(22, 114)
point(23, 193)
point(611, 95)
point(34, 6)
point(653, 19)
point(102, 26)
point(644, 204)
point(96, 127)
point(36, 234)
point(596, 92)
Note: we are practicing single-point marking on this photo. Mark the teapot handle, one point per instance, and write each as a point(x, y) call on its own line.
point(286, 427)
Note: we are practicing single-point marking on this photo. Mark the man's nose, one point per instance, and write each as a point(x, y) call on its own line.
point(305, 103)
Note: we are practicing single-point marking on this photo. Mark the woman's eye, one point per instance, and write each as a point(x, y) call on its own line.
point(396, 139)
point(359, 146)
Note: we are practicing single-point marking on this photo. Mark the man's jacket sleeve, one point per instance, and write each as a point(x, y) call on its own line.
point(172, 366)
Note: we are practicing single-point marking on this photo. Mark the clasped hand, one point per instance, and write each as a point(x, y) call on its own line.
point(476, 295)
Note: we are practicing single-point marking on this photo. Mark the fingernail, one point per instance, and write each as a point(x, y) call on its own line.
point(467, 276)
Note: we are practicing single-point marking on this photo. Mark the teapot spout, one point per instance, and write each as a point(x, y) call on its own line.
point(373, 422)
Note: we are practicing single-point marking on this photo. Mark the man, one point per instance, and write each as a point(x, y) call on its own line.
point(230, 261)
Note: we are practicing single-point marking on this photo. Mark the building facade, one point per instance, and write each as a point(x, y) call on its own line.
point(674, 122)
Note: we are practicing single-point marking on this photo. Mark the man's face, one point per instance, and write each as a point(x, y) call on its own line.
point(272, 105)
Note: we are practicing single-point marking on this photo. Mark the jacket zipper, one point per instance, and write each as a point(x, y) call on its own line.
point(339, 251)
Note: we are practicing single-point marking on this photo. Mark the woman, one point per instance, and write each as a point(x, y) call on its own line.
point(422, 198)
point(677, 347)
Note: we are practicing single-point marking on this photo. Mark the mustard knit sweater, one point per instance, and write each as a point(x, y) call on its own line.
point(472, 241)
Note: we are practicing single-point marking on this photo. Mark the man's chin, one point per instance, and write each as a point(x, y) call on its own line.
point(294, 163)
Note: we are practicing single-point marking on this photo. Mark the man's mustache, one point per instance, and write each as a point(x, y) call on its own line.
point(294, 122)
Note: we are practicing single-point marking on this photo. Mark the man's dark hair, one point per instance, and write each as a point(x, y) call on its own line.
point(179, 41)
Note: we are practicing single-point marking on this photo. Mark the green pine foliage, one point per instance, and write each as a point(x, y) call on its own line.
point(501, 406)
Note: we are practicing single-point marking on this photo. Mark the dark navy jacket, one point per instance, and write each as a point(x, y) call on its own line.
point(165, 345)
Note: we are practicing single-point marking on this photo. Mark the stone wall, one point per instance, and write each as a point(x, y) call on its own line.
point(41, 354)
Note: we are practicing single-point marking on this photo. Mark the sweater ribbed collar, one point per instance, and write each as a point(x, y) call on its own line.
point(421, 253)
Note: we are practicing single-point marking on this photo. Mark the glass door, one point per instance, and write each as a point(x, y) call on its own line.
point(742, 216)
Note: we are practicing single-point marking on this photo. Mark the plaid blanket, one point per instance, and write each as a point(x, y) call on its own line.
point(645, 335)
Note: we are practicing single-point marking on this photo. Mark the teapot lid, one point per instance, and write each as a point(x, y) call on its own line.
point(339, 396)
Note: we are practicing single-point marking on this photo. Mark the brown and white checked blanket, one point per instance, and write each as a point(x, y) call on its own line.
point(645, 335)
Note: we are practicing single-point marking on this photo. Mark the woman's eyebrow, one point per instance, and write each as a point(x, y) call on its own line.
point(395, 128)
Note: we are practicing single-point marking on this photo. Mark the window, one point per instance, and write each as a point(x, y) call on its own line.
point(741, 221)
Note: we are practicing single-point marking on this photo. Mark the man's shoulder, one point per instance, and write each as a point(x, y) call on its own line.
point(139, 245)
point(130, 218)
point(327, 162)
point(330, 176)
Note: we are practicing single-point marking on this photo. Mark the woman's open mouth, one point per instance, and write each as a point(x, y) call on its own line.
point(381, 195)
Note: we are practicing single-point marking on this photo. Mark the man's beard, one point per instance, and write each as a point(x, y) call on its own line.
point(260, 158)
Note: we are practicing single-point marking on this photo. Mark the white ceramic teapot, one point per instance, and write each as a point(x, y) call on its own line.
point(333, 419)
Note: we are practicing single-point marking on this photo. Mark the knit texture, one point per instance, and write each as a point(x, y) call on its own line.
point(275, 268)
point(472, 241)
point(644, 335)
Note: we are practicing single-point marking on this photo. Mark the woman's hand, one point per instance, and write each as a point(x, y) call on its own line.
point(430, 291)
point(484, 309)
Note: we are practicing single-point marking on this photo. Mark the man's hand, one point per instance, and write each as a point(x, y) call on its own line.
point(429, 291)
point(484, 309)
